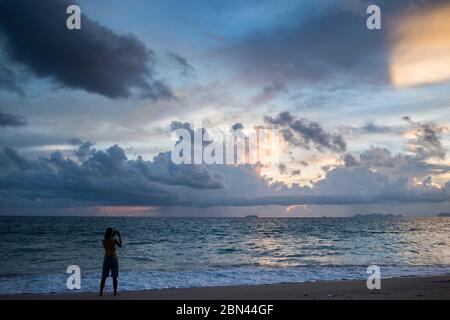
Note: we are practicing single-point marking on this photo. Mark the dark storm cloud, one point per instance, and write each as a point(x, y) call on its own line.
point(331, 42)
point(186, 67)
point(304, 133)
point(12, 120)
point(95, 58)
point(105, 177)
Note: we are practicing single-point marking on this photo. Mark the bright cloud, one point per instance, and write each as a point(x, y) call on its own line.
point(421, 48)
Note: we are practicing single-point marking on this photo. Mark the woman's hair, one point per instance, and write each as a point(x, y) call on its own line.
point(108, 233)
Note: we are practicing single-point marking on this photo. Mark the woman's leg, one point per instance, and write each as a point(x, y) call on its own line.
point(102, 285)
point(115, 285)
point(105, 274)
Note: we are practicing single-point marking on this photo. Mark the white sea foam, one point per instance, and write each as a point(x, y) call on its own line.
point(56, 283)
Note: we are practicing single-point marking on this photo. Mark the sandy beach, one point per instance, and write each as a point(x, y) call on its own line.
point(416, 288)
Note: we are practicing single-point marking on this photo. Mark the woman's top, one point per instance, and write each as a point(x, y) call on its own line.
point(110, 248)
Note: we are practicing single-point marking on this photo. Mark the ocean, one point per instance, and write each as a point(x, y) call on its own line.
point(194, 252)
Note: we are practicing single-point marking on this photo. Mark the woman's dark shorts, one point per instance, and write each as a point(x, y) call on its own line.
point(110, 264)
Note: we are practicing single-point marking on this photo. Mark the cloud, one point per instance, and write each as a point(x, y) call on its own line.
point(427, 181)
point(271, 91)
point(104, 178)
point(303, 163)
point(237, 126)
point(12, 120)
point(412, 167)
point(201, 132)
point(10, 81)
point(423, 143)
point(75, 141)
point(361, 182)
point(293, 51)
point(282, 168)
point(94, 59)
point(332, 44)
point(344, 186)
point(186, 67)
point(420, 52)
point(109, 178)
point(373, 128)
point(84, 148)
point(10, 158)
point(349, 160)
point(426, 142)
point(175, 125)
point(304, 133)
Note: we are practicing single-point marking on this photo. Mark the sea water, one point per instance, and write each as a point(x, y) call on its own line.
point(196, 252)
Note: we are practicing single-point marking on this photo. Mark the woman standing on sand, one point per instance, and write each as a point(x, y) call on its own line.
point(110, 262)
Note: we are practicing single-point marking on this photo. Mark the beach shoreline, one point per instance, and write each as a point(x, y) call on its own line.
point(404, 288)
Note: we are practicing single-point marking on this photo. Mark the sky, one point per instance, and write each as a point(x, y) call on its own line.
point(86, 116)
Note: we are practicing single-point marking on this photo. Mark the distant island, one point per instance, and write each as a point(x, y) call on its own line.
point(444, 214)
point(251, 216)
point(377, 215)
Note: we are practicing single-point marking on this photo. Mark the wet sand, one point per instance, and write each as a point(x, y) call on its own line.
point(437, 287)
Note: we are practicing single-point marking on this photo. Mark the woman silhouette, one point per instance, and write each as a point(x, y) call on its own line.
point(110, 262)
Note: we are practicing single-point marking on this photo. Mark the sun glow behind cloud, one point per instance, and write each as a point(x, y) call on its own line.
point(421, 48)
